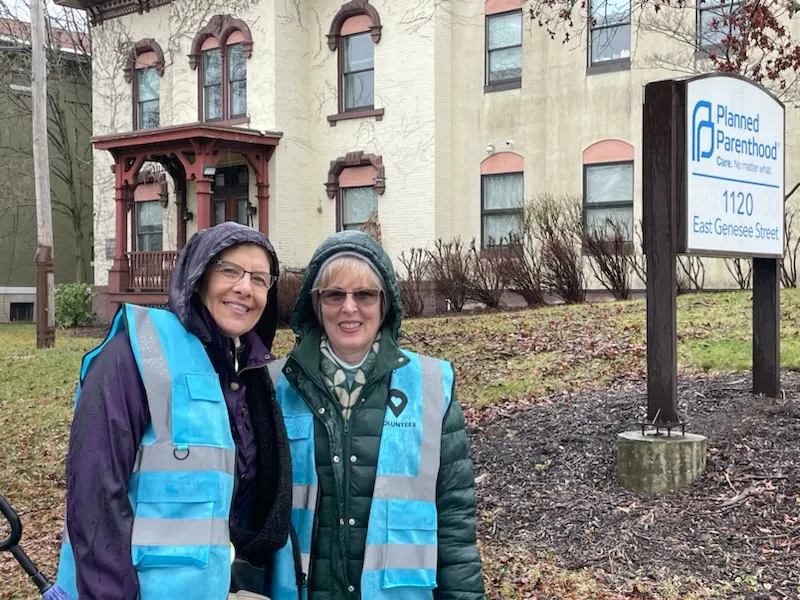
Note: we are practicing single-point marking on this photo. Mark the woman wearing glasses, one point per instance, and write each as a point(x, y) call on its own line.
point(384, 498)
point(178, 471)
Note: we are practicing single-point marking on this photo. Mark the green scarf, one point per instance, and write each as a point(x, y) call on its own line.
point(336, 378)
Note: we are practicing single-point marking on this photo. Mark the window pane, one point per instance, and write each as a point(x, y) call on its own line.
point(149, 217)
point(497, 228)
point(609, 183)
point(358, 204)
point(241, 211)
point(715, 25)
point(611, 43)
point(502, 191)
point(212, 67)
point(608, 12)
point(358, 52)
point(505, 64)
point(358, 90)
point(213, 102)
point(505, 30)
point(148, 82)
point(237, 65)
point(602, 219)
point(238, 98)
point(219, 212)
point(148, 114)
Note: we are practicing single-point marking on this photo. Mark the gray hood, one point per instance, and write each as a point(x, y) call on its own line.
point(195, 257)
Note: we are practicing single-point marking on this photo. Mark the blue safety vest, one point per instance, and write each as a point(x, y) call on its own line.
point(182, 484)
point(400, 557)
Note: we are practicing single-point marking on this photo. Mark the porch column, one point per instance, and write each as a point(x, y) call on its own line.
point(203, 193)
point(262, 195)
point(118, 275)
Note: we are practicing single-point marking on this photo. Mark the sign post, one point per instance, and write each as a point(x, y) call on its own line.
point(713, 173)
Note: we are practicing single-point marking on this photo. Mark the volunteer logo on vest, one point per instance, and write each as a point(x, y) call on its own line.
point(397, 402)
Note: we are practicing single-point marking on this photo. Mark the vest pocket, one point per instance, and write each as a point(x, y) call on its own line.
point(199, 413)
point(410, 558)
point(175, 524)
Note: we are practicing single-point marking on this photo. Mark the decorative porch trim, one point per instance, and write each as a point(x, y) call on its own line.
point(220, 27)
point(355, 159)
point(352, 9)
point(139, 48)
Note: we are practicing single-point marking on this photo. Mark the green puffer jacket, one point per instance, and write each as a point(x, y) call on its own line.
point(347, 453)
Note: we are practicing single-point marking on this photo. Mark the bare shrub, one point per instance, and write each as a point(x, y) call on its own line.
point(487, 282)
point(691, 274)
point(608, 246)
point(416, 265)
point(557, 224)
point(791, 245)
point(289, 284)
point(519, 264)
point(741, 269)
point(636, 259)
point(450, 271)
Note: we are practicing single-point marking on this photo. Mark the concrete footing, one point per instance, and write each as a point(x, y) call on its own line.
point(657, 462)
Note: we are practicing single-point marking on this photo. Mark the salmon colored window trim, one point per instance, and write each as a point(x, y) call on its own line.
point(608, 151)
point(357, 177)
point(492, 7)
point(502, 162)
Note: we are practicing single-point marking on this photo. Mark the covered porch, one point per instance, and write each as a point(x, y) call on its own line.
point(189, 154)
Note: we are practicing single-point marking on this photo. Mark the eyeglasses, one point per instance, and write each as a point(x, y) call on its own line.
point(233, 272)
point(362, 297)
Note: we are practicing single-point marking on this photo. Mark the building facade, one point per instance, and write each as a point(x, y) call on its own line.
point(303, 118)
point(69, 132)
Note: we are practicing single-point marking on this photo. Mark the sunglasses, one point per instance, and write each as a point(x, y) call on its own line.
point(233, 272)
point(362, 297)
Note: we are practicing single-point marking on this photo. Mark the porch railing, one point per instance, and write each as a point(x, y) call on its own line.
point(151, 271)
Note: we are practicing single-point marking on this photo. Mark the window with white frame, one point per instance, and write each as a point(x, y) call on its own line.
point(149, 225)
point(358, 72)
point(504, 48)
point(716, 22)
point(357, 204)
point(147, 98)
point(608, 199)
point(610, 32)
point(502, 201)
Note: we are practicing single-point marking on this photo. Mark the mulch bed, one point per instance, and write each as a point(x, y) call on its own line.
point(546, 480)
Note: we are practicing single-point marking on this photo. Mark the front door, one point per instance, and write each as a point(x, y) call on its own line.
point(230, 196)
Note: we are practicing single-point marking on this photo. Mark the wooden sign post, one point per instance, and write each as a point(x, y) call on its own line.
point(713, 185)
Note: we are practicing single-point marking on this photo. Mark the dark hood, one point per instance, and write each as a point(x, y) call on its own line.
point(198, 253)
point(304, 318)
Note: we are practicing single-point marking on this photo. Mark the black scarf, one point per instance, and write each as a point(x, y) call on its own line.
point(272, 505)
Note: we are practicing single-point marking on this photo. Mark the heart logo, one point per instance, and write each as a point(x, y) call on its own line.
point(397, 402)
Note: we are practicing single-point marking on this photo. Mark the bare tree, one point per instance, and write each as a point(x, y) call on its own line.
point(416, 265)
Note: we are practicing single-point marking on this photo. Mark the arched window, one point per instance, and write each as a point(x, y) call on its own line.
point(355, 181)
point(355, 30)
point(502, 198)
point(219, 52)
point(608, 187)
point(144, 68)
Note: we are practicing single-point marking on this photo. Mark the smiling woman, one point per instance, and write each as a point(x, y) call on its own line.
point(173, 408)
point(377, 436)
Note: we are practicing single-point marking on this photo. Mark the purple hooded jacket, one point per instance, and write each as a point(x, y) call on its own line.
point(111, 418)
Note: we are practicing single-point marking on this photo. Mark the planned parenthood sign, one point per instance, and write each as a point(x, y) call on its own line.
point(734, 168)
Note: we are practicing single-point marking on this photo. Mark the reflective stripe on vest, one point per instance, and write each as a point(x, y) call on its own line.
point(402, 541)
point(182, 483)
